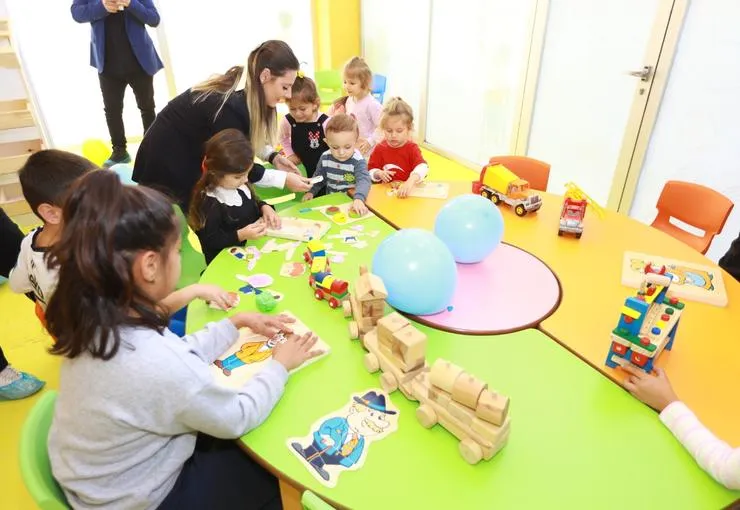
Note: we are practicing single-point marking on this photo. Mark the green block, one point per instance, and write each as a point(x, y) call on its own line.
point(679, 305)
point(669, 311)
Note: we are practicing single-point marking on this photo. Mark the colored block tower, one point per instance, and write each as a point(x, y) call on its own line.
point(647, 324)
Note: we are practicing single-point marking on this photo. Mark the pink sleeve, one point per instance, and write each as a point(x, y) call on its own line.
point(285, 140)
point(715, 456)
point(374, 110)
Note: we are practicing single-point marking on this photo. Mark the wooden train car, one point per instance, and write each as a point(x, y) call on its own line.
point(366, 304)
point(325, 285)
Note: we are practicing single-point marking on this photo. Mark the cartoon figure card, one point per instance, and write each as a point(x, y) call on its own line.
point(340, 441)
point(246, 356)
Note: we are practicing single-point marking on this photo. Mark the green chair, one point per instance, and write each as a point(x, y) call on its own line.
point(311, 501)
point(34, 456)
point(330, 85)
point(192, 261)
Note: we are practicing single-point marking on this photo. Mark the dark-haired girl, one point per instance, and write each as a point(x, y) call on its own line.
point(134, 397)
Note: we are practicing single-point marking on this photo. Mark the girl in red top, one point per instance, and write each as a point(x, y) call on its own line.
point(397, 157)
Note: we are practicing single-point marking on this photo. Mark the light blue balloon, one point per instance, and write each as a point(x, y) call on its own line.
point(471, 227)
point(125, 172)
point(418, 271)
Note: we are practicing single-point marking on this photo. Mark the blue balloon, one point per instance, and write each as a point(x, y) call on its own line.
point(418, 271)
point(125, 173)
point(471, 227)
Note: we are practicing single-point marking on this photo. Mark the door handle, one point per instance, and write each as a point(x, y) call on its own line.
point(644, 74)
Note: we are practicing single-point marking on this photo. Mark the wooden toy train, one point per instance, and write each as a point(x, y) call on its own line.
point(326, 286)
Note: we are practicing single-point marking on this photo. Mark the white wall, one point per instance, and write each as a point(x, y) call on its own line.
point(697, 134)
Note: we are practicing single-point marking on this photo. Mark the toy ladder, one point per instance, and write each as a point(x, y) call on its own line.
point(20, 134)
point(576, 193)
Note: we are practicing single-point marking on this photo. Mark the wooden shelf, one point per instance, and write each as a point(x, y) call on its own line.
point(14, 154)
point(15, 114)
point(8, 58)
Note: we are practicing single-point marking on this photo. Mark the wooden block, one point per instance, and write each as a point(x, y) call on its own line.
point(444, 374)
point(488, 430)
point(492, 407)
point(489, 452)
point(411, 344)
point(370, 287)
point(420, 386)
point(461, 412)
point(467, 389)
point(440, 397)
point(389, 325)
point(369, 308)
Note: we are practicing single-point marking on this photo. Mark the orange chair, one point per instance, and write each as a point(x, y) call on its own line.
point(533, 170)
point(697, 205)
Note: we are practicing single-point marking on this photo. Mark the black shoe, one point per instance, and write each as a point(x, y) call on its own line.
point(321, 471)
point(297, 447)
point(119, 155)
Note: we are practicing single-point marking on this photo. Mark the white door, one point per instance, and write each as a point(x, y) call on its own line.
point(696, 136)
point(477, 66)
point(588, 107)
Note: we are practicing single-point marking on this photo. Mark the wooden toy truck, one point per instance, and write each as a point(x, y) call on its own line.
point(459, 402)
point(366, 303)
point(499, 184)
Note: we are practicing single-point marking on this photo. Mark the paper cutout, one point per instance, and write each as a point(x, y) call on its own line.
point(257, 281)
point(251, 351)
point(292, 269)
point(298, 229)
point(340, 441)
point(341, 214)
point(424, 189)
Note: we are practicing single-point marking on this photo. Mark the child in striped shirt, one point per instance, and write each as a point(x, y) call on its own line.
point(715, 456)
point(342, 168)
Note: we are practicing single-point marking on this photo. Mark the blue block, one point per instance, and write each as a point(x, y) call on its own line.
point(655, 331)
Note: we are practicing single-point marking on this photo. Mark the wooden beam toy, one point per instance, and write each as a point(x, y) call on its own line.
point(647, 324)
point(366, 304)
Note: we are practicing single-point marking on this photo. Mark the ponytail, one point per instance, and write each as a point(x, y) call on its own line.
point(106, 224)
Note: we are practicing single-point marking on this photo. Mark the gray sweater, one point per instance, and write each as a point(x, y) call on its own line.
point(339, 176)
point(123, 428)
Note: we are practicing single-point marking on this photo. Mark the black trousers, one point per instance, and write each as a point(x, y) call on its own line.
point(220, 475)
point(114, 89)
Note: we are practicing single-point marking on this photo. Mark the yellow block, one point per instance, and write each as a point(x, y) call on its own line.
point(629, 312)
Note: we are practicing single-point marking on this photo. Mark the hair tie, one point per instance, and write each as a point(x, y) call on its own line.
point(300, 74)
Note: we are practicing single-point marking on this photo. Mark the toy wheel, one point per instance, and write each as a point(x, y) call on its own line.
point(347, 308)
point(388, 382)
point(470, 451)
point(354, 330)
point(426, 416)
point(318, 295)
point(520, 210)
point(485, 193)
point(578, 235)
point(333, 303)
point(371, 362)
point(495, 198)
point(560, 233)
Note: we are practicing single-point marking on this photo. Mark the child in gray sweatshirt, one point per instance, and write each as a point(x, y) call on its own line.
point(137, 405)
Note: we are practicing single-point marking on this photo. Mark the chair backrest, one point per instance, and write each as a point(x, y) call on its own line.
point(310, 501)
point(328, 79)
point(34, 456)
point(696, 205)
point(536, 172)
point(378, 87)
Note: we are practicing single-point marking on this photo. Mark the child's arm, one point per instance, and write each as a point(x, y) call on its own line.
point(19, 278)
point(374, 111)
point(715, 456)
point(183, 297)
point(85, 12)
point(285, 138)
point(418, 164)
point(362, 180)
point(320, 172)
point(144, 11)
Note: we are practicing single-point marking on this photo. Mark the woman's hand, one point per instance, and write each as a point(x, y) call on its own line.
point(385, 175)
point(215, 294)
point(252, 231)
point(295, 351)
point(265, 325)
point(111, 6)
point(282, 163)
point(293, 158)
point(297, 183)
point(653, 389)
point(308, 196)
point(271, 217)
point(359, 207)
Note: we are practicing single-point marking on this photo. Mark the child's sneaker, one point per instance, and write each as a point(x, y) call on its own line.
point(119, 155)
point(15, 385)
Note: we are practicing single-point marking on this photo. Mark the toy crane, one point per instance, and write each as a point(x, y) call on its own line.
point(574, 210)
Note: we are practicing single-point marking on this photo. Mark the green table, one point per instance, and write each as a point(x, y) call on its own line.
point(577, 439)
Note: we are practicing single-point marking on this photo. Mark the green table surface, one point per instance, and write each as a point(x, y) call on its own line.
point(577, 439)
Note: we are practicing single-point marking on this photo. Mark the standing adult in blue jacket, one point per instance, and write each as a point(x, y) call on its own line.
point(123, 53)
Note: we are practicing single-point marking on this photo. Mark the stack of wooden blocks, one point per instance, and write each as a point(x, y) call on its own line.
point(366, 303)
point(402, 342)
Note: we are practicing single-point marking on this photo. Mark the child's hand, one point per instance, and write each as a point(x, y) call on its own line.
point(265, 325)
point(271, 217)
point(405, 189)
point(653, 389)
point(385, 175)
point(359, 207)
point(295, 351)
point(307, 197)
point(215, 294)
point(297, 183)
point(252, 231)
point(363, 146)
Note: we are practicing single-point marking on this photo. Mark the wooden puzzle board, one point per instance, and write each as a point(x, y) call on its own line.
point(340, 214)
point(299, 229)
point(246, 357)
point(438, 190)
point(693, 282)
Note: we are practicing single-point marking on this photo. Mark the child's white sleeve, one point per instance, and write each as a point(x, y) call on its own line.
point(19, 277)
point(421, 170)
point(715, 456)
point(285, 139)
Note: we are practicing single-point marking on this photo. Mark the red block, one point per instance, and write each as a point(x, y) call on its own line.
point(665, 317)
point(619, 348)
point(638, 359)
